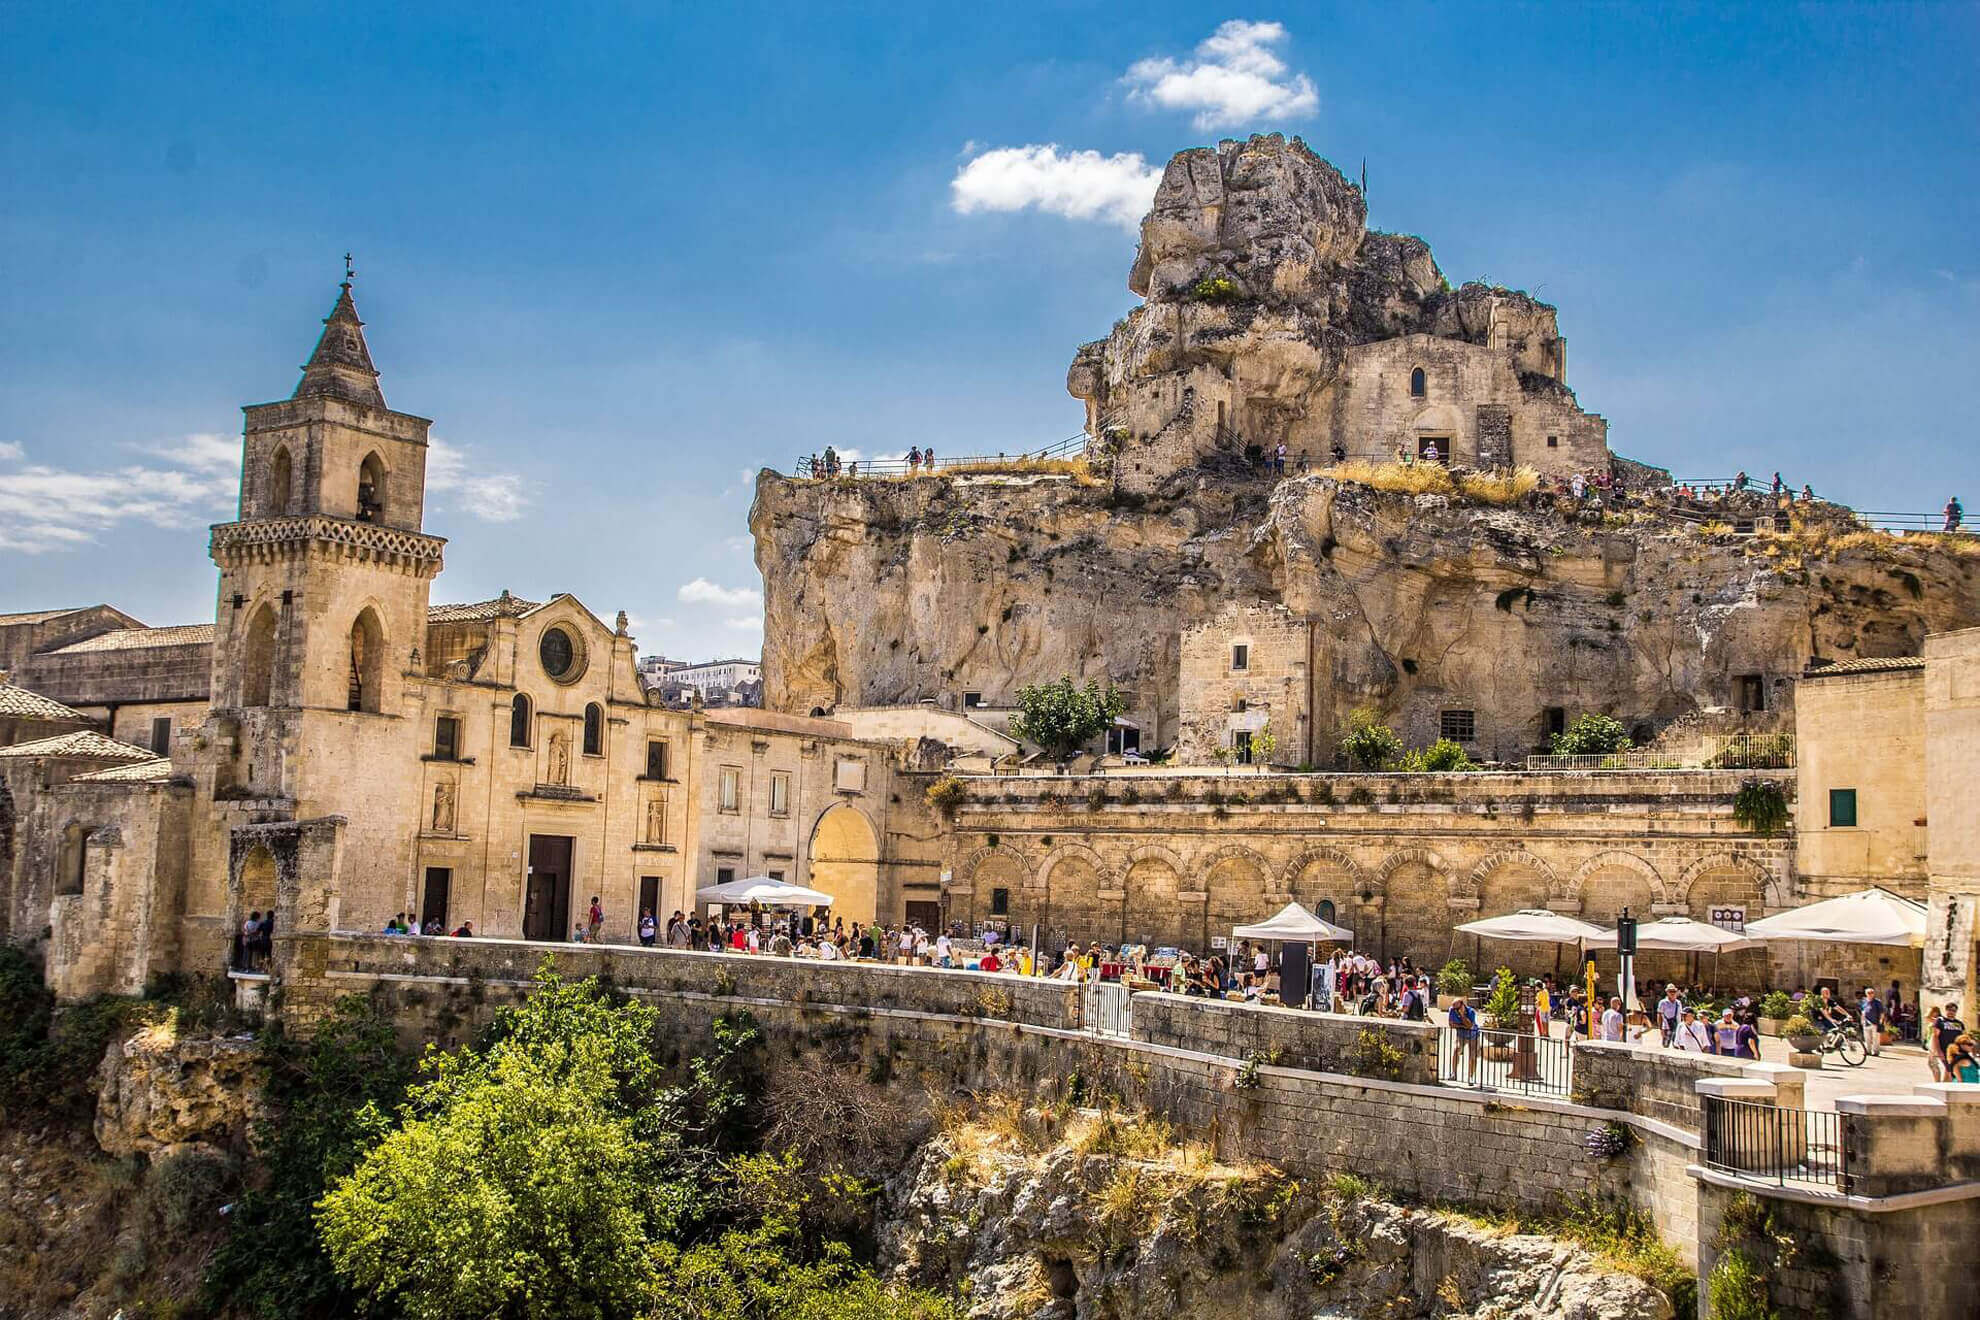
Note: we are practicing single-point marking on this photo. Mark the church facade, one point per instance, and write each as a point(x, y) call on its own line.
point(363, 753)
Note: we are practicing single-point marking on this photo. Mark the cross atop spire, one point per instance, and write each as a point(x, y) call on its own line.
point(340, 368)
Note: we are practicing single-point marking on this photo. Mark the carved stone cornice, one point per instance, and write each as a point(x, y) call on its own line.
point(265, 540)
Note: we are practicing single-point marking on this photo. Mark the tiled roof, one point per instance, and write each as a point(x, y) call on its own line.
point(82, 743)
point(155, 771)
point(39, 616)
point(17, 703)
point(134, 639)
point(501, 607)
point(1865, 666)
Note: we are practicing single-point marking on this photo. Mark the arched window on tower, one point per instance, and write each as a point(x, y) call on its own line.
point(371, 489)
point(367, 663)
point(1416, 389)
point(519, 721)
point(594, 730)
point(258, 658)
point(281, 479)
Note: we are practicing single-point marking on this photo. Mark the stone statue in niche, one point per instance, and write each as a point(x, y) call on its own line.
point(560, 758)
point(443, 807)
point(656, 821)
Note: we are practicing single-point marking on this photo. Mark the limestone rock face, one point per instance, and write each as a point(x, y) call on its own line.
point(156, 1091)
point(896, 592)
point(1104, 1237)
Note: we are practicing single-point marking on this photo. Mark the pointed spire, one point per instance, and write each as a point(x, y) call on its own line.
point(340, 368)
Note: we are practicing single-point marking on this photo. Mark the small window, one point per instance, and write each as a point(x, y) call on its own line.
point(557, 653)
point(1553, 721)
point(1000, 902)
point(371, 489)
point(1842, 808)
point(1324, 909)
point(972, 700)
point(729, 791)
point(780, 795)
point(1553, 442)
point(1459, 725)
point(1240, 655)
point(447, 738)
point(1241, 741)
point(775, 875)
point(161, 735)
point(594, 730)
point(1416, 383)
point(519, 721)
point(656, 758)
point(724, 874)
point(1240, 704)
point(1752, 693)
point(1433, 448)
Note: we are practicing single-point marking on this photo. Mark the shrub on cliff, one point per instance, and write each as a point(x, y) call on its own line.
point(47, 1056)
point(1062, 718)
point(1368, 743)
point(1440, 757)
point(1592, 735)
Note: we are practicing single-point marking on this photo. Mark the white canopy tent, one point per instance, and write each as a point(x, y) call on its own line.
point(763, 890)
point(1868, 916)
point(1680, 935)
point(1294, 925)
point(1535, 926)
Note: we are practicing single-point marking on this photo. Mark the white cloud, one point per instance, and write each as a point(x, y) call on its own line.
point(1079, 185)
point(703, 592)
point(489, 496)
point(45, 508)
point(1234, 77)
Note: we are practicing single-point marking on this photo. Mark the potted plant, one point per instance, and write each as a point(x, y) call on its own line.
point(1453, 979)
point(1501, 1015)
point(1777, 1007)
point(1804, 1041)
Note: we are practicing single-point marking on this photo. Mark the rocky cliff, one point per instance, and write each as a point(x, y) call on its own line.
point(883, 592)
point(1108, 1224)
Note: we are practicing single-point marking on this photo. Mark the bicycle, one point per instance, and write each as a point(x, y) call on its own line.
point(1846, 1040)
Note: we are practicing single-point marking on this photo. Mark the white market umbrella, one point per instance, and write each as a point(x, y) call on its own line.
point(1869, 916)
point(1534, 925)
point(762, 889)
point(1293, 925)
point(1681, 934)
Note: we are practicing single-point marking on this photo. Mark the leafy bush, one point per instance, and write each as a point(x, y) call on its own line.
point(182, 1196)
point(47, 1056)
point(1799, 1025)
point(1502, 1005)
point(1454, 978)
point(1375, 1056)
point(1778, 1005)
point(1591, 735)
point(1440, 757)
point(1737, 1289)
point(1215, 289)
point(1761, 805)
point(1368, 743)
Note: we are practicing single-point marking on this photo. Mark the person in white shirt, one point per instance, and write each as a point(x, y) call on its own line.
point(1612, 1021)
point(942, 950)
point(1691, 1034)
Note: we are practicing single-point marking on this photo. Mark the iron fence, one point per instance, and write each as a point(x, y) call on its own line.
point(1505, 1061)
point(1734, 751)
point(1770, 1144)
point(1104, 1008)
point(819, 465)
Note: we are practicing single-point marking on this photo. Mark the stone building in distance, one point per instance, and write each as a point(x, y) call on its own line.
point(340, 750)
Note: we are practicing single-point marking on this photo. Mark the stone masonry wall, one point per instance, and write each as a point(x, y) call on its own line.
point(1291, 1038)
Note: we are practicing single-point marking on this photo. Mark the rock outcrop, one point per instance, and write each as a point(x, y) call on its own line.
point(157, 1091)
point(1107, 1236)
point(897, 592)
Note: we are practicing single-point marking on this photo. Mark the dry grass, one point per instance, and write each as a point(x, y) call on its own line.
point(1500, 488)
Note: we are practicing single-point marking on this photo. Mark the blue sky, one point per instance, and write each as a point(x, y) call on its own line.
point(625, 257)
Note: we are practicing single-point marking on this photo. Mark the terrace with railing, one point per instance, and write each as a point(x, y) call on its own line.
point(1063, 456)
point(1738, 751)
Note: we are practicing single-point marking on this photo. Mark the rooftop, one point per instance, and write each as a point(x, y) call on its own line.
point(135, 639)
point(503, 606)
point(39, 616)
point(155, 771)
point(17, 703)
point(83, 744)
point(1886, 664)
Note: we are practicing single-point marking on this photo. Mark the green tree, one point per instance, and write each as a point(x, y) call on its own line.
point(1264, 743)
point(1592, 735)
point(1061, 718)
point(1440, 757)
point(1369, 743)
point(1502, 1005)
point(529, 1180)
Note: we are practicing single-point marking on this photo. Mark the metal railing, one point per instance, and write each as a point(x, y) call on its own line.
point(1506, 1061)
point(1732, 751)
point(821, 465)
point(1104, 1008)
point(1769, 1144)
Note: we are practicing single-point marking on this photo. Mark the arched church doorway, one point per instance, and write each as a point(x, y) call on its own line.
point(845, 862)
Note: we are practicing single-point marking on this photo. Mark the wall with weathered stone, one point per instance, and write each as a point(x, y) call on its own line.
point(1952, 805)
point(1290, 1038)
point(1864, 732)
point(1274, 688)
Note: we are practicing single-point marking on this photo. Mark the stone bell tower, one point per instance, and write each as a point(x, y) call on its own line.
point(324, 578)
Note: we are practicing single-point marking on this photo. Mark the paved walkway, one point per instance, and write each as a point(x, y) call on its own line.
point(1896, 1071)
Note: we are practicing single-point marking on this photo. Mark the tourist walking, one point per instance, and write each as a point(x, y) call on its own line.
point(1667, 1014)
point(594, 919)
point(1944, 1032)
point(1872, 1011)
point(649, 930)
point(1691, 1034)
point(1464, 1026)
point(1954, 514)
